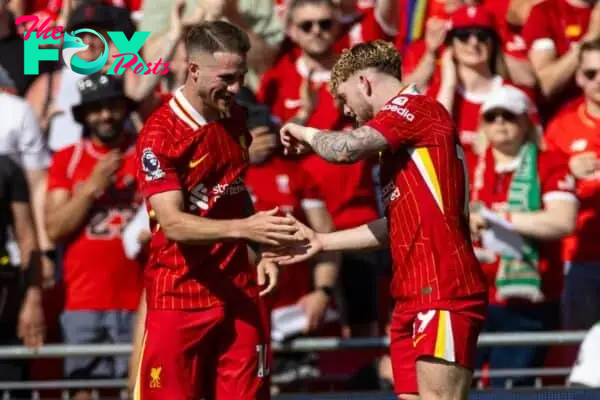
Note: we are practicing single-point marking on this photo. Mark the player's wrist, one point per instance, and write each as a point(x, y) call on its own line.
point(309, 134)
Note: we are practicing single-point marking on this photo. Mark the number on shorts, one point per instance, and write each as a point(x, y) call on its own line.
point(463, 161)
point(263, 360)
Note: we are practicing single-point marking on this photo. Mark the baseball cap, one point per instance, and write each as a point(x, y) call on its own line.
point(472, 17)
point(98, 87)
point(506, 98)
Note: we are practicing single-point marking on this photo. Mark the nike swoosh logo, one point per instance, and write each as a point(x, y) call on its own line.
point(418, 339)
point(194, 164)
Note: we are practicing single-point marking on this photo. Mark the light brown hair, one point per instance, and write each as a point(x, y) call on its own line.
point(592, 45)
point(215, 36)
point(380, 55)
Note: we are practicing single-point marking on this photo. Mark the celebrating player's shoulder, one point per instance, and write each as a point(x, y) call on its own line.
point(411, 119)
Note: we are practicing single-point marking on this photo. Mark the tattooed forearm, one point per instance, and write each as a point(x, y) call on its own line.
point(347, 147)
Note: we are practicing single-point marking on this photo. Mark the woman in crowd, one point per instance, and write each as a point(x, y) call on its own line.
point(523, 201)
point(472, 67)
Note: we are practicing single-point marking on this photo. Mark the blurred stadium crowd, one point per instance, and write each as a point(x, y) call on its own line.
point(520, 77)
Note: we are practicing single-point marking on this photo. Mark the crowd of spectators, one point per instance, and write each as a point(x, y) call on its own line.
point(521, 79)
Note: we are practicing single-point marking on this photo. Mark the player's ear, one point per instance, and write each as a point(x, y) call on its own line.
point(365, 85)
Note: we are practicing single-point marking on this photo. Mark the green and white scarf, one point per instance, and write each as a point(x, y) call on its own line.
point(521, 278)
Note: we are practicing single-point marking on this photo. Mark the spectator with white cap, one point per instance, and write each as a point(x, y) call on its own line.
point(526, 193)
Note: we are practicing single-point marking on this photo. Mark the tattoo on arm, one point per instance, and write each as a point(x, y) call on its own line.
point(347, 147)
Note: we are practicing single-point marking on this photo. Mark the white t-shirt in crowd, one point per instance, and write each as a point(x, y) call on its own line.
point(20, 135)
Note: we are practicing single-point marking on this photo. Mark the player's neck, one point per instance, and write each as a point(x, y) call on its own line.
point(592, 108)
point(319, 64)
point(475, 80)
point(388, 88)
point(206, 111)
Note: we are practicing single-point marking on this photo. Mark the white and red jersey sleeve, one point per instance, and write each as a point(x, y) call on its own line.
point(556, 180)
point(308, 190)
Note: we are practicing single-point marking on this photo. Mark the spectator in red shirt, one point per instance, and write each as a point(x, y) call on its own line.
point(92, 194)
point(472, 67)
point(553, 33)
point(524, 291)
point(297, 90)
point(577, 133)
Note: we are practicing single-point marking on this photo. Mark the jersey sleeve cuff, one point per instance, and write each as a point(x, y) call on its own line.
point(560, 195)
point(160, 188)
point(379, 127)
point(312, 203)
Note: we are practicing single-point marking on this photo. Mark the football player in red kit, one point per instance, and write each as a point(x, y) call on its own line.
point(205, 334)
point(438, 285)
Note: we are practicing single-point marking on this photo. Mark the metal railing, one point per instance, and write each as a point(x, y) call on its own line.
point(297, 345)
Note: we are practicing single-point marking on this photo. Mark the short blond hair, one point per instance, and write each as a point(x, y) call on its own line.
point(380, 55)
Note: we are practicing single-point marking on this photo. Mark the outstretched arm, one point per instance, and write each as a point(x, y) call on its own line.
point(373, 235)
point(370, 236)
point(340, 147)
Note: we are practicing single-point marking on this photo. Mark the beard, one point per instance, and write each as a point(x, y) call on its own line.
point(108, 133)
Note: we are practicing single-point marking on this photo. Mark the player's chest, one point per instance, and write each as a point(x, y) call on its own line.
point(215, 155)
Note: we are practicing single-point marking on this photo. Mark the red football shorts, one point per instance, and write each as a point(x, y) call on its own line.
point(219, 353)
point(447, 335)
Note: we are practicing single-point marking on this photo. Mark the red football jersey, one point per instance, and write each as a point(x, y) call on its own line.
point(556, 24)
point(466, 115)
point(491, 185)
point(179, 150)
point(97, 273)
point(512, 40)
point(425, 192)
point(351, 201)
point(280, 182)
point(576, 132)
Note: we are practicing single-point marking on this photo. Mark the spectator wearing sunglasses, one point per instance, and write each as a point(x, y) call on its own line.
point(554, 32)
point(472, 68)
point(529, 194)
point(577, 133)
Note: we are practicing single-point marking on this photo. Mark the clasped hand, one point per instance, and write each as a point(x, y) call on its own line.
point(309, 243)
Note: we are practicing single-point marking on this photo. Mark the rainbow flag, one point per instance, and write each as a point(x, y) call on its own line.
point(416, 11)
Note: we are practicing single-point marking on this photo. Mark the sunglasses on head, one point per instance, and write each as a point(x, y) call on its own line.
point(590, 74)
point(324, 24)
point(482, 35)
point(492, 115)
